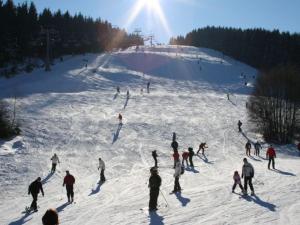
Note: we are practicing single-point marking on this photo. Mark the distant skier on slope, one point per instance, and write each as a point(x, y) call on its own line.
point(118, 89)
point(148, 87)
point(50, 217)
point(237, 181)
point(248, 148)
point(69, 181)
point(127, 94)
point(154, 155)
point(101, 167)
point(175, 157)
point(185, 156)
point(177, 174)
point(257, 147)
point(271, 155)
point(240, 125)
point(54, 160)
point(174, 143)
point(248, 174)
point(154, 185)
point(191, 154)
point(120, 117)
point(202, 147)
point(34, 189)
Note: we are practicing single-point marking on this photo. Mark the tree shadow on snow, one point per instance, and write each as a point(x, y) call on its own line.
point(155, 219)
point(45, 180)
point(126, 102)
point(116, 134)
point(62, 207)
point(191, 169)
point(21, 220)
point(284, 173)
point(184, 201)
point(97, 189)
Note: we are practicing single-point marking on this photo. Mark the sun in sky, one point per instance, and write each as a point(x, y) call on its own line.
point(154, 8)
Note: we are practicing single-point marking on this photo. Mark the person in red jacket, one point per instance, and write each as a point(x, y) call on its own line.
point(185, 156)
point(175, 157)
point(69, 181)
point(271, 154)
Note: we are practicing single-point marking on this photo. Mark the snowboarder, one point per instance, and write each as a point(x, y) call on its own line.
point(154, 155)
point(54, 160)
point(240, 125)
point(248, 174)
point(154, 184)
point(101, 167)
point(191, 154)
point(248, 148)
point(237, 180)
point(50, 217)
point(257, 147)
point(185, 156)
point(34, 189)
point(148, 87)
point(69, 181)
point(175, 157)
point(176, 176)
point(271, 154)
point(118, 89)
point(120, 117)
point(202, 147)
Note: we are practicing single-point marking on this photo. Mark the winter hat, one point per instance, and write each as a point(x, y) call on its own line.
point(50, 217)
point(245, 160)
point(153, 169)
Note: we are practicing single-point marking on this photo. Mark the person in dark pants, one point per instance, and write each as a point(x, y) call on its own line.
point(69, 181)
point(148, 87)
point(54, 160)
point(237, 181)
point(102, 168)
point(248, 148)
point(185, 156)
point(154, 184)
point(257, 147)
point(175, 157)
point(50, 217)
point(248, 174)
point(271, 154)
point(177, 174)
point(34, 189)
point(174, 143)
point(240, 125)
point(191, 154)
point(154, 155)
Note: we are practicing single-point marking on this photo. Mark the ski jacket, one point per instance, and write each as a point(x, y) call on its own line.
point(35, 187)
point(247, 170)
point(271, 152)
point(257, 146)
point(176, 156)
point(191, 153)
point(237, 178)
point(240, 123)
point(248, 145)
point(69, 180)
point(101, 165)
point(120, 117)
point(174, 145)
point(154, 154)
point(177, 169)
point(55, 159)
point(185, 155)
point(202, 145)
point(154, 181)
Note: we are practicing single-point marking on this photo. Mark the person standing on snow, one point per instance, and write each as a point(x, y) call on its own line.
point(257, 147)
point(177, 174)
point(191, 154)
point(271, 155)
point(148, 87)
point(101, 167)
point(118, 89)
point(54, 160)
point(69, 181)
point(154, 155)
point(120, 118)
point(34, 189)
point(248, 148)
point(175, 157)
point(202, 147)
point(240, 125)
point(185, 156)
point(127, 94)
point(248, 174)
point(154, 185)
point(237, 180)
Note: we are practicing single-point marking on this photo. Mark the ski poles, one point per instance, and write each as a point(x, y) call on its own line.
point(167, 204)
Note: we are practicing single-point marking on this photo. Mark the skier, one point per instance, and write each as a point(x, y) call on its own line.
point(257, 147)
point(177, 174)
point(148, 87)
point(227, 96)
point(50, 217)
point(154, 155)
point(175, 157)
point(202, 147)
point(120, 118)
point(191, 154)
point(248, 148)
point(69, 181)
point(127, 94)
point(271, 154)
point(174, 143)
point(185, 156)
point(248, 174)
point(237, 180)
point(154, 184)
point(118, 89)
point(298, 146)
point(54, 160)
point(239, 125)
point(102, 168)
point(142, 91)
point(34, 189)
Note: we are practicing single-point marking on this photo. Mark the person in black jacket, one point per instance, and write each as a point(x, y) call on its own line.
point(154, 155)
point(154, 184)
point(34, 189)
point(191, 154)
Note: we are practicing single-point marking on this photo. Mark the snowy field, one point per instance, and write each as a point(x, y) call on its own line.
point(72, 111)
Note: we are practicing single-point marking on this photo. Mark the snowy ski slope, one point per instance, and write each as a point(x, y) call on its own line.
point(72, 111)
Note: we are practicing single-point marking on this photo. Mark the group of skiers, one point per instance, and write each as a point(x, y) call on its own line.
point(142, 90)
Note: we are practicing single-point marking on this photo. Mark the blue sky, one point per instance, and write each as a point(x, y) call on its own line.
point(184, 15)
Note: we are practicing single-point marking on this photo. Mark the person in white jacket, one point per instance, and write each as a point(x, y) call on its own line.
point(248, 174)
point(101, 167)
point(177, 174)
point(54, 160)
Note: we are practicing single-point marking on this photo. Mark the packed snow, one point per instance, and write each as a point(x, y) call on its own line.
point(72, 111)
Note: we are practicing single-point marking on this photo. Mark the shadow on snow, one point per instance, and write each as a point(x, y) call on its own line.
point(116, 134)
point(184, 201)
point(155, 219)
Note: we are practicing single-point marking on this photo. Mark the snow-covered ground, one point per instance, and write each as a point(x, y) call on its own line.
point(72, 111)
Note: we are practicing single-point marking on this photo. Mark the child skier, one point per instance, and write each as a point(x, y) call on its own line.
point(191, 154)
point(54, 160)
point(202, 147)
point(248, 148)
point(237, 180)
point(185, 156)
